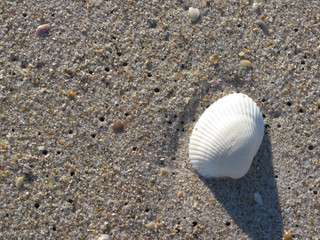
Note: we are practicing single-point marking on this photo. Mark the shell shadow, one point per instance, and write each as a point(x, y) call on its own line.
point(237, 197)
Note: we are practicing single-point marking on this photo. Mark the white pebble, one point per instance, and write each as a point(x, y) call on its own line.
point(257, 198)
point(256, 7)
point(151, 225)
point(19, 182)
point(104, 237)
point(43, 29)
point(26, 170)
point(194, 14)
point(195, 205)
point(41, 148)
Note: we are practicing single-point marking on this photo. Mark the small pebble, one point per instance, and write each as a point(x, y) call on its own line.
point(104, 237)
point(194, 14)
point(19, 182)
point(71, 93)
point(215, 84)
point(287, 236)
point(139, 189)
point(256, 8)
point(26, 170)
point(180, 194)
point(246, 63)
point(41, 148)
point(241, 54)
point(151, 225)
point(188, 236)
point(214, 59)
point(43, 29)
point(163, 171)
point(257, 198)
point(124, 236)
point(118, 126)
point(264, 27)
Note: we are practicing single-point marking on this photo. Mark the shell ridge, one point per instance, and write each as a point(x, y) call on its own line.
point(209, 134)
point(216, 149)
point(199, 147)
point(203, 145)
point(203, 138)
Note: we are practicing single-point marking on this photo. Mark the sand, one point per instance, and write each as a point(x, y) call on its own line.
point(144, 63)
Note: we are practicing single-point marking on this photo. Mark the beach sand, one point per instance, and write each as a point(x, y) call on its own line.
point(67, 172)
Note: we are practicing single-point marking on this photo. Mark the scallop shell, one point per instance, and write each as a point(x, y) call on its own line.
point(227, 137)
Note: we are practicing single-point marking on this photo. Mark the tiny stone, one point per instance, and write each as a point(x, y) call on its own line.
point(43, 29)
point(151, 225)
point(241, 54)
point(264, 27)
point(180, 194)
point(118, 126)
point(256, 8)
point(124, 236)
point(194, 14)
point(71, 93)
point(163, 171)
point(214, 59)
point(287, 236)
point(41, 148)
point(276, 113)
point(188, 236)
point(246, 63)
point(19, 182)
point(257, 198)
point(104, 237)
point(26, 169)
point(215, 84)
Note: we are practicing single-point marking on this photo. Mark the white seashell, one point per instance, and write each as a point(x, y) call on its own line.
point(227, 137)
point(194, 14)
